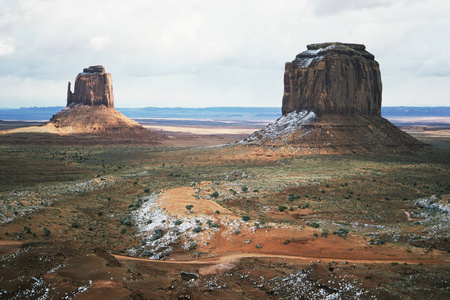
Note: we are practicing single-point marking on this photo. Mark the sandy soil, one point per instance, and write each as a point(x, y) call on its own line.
point(175, 201)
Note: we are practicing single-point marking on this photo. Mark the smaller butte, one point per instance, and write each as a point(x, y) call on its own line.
point(90, 110)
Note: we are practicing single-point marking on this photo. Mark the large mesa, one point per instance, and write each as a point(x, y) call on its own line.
point(333, 78)
point(332, 104)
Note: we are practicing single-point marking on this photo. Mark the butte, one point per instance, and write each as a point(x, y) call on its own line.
point(332, 105)
point(90, 110)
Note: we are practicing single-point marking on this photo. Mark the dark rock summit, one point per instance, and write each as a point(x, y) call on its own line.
point(92, 87)
point(333, 78)
point(332, 104)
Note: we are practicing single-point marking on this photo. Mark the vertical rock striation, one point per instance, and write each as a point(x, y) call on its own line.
point(333, 78)
point(92, 87)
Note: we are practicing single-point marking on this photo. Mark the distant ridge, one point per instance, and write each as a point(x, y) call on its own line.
point(214, 113)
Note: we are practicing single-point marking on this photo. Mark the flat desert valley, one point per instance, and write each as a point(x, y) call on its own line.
point(194, 218)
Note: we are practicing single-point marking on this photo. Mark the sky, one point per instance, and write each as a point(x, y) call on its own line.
point(203, 53)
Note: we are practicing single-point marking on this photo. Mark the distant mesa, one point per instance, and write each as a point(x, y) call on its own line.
point(332, 104)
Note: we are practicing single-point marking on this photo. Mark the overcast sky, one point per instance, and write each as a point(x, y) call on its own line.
point(199, 53)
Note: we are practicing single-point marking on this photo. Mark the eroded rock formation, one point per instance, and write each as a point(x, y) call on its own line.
point(333, 78)
point(90, 110)
point(92, 87)
point(332, 105)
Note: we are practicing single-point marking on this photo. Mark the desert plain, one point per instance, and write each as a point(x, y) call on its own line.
point(194, 217)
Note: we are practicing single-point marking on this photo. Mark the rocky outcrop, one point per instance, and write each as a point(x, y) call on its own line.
point(332, 105)
point(90, 110)
point(334, 78)
point(92, 87)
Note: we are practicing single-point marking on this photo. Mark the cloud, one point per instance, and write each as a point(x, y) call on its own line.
point(7, 47)
point(332, 7)
point(100, 42)
point(209, 53)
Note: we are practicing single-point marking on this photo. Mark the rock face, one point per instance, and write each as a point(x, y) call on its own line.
point(92, 87)
point(90, 110)
point(332, 105)
point(333, 78)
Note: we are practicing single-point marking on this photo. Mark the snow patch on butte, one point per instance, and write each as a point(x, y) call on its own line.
point(281, 129)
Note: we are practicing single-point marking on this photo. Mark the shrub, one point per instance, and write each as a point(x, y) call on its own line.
point(74, 225)
point(47, 232)
point(90, 228)
point(282, 208)
point(217, 212)
point(125, 222)
point(292, 197)
point(27, 229)
point(189, 206)
point(123, 230)
point(177, 222)
point(157, 234)
point(315, 235)
point(146, 190)
point(341, 232)
point(246, 218)
point(192, 246)
point(233, 192)
point(324, 233)
point(100, 213)
point(237, 231)
point(214, 195)
point(214, 225)
point(314, 225)
point(244, 189)
point(197, 229)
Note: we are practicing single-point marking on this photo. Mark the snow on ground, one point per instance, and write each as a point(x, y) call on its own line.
point(434, 214)
point(282, 128)
point(19, 203)
point(161, 230)
point(300, 284)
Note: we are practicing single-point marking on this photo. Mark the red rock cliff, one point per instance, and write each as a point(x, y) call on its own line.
point(92, 87)
point(333, 78)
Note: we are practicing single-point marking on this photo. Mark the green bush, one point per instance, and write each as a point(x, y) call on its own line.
point(217, 212)
point(27, 229)
point(177, 222)
point(197, 229)
point(47, 232)
point(314, 225)
point(324, 233)
point(282, 208)
point(125, 222)
point(246, 218)
point(214, 195)
point(244, 189)
point(157, 234)
point(214, 225)
point(189, 206)
point(74, 225)
point(341, 232)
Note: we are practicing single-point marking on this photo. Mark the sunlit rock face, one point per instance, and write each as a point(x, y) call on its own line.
point(92, 87)
point(333, 78)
